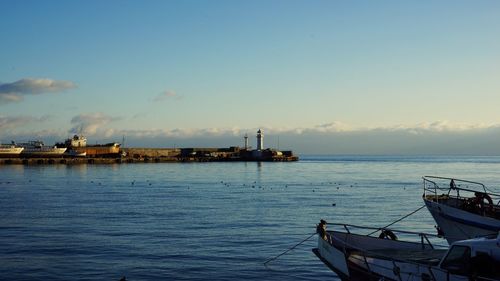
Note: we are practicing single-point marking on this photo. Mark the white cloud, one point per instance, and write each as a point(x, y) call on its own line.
point(438, 126)
point(8, 98)
point(168, 94)
point(332, 128)
point(335, 126)
point(12, 123)
point(8, 123)
point(90, 123)
point(15, 91)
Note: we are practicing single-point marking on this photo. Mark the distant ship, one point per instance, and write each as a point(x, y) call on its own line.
point(9, 150)
point(78, 145)
point(38, 148)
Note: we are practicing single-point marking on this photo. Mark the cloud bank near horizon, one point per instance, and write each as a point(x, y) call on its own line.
point(441, 137)
point(426, 138)
point(9, 124)
point(15, 91)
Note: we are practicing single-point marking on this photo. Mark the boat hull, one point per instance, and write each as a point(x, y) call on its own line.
point(49, 152)
point(458, 224)
point(10, 151)
point(338, 262)
point(333, 258)
point(342, 253)
point(98, 151)
point(73, 153)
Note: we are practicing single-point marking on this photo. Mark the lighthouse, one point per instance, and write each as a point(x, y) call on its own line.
point(246, 141)
point(260, 140)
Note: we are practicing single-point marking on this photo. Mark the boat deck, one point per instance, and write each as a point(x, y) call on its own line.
point(427, 256)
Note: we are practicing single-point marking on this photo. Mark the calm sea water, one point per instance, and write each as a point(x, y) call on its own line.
point(204, 221)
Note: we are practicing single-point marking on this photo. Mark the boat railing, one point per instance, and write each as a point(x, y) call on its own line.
point(423, 238)
point(442, 187)
point(398, 270)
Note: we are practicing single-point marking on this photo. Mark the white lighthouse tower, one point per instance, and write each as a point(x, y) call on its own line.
point(260, 140)
point(246, 141)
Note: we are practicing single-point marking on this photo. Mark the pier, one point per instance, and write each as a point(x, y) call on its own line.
point(78, 152)
point(159, 155)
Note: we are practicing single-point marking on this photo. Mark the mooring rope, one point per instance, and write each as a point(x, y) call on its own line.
point(398, 220)
point(296, 245)
point(310, 236)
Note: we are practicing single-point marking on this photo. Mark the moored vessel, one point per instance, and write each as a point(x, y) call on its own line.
point(78, 145)
point(365, 257)
point(37, 148)
point(462, 209)
point(10, 150)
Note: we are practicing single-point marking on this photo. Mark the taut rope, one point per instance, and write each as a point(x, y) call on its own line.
point(398, 220)
point(301, 242)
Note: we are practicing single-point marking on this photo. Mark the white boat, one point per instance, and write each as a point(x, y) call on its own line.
point(38, 148)
point(365, 257)
point(10, 150)
point(79, 145)
point(462, 209)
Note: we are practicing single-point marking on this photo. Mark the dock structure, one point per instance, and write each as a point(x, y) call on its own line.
point(113, 153)
point(159, 155)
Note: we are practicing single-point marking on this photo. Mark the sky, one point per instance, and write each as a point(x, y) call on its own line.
point(319, 77)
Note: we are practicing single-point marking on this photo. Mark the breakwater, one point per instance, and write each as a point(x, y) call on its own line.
point(159, 155)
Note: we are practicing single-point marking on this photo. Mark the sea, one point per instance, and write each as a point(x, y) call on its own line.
point(207, 221)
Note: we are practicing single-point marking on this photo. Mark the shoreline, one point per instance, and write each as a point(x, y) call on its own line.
point(132, 160)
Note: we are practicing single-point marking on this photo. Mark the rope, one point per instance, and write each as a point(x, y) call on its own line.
point(310, 236)
point(301, 242)
point(398, 220)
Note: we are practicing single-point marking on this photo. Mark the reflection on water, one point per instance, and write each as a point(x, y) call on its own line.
point(204, 221)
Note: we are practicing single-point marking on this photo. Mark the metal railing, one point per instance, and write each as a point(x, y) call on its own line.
point(426, 271)
point(431, 186)
point(423, 238)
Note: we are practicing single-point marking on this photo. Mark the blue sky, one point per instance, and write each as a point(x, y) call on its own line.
point(189, 72)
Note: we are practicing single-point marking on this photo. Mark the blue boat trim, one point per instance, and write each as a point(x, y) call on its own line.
point(471, 223)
